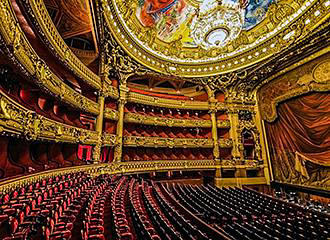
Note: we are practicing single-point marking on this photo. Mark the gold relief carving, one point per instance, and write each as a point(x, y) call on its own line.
point(110, 114)
point(223, 124)
point(158, 166)
point(232, 164)
point(321, 72)
point(21, 121)
point(279, 11)
point(97, 151)
point(13, 35)
point(225, 143)
point(168, 142)
point(169, 122)
point(110, 91)
point(49, 31)
point(168, 103)
point(154, 53)
point(312, 76)
point(8, 186)
point(140, 166)
point(109, 139)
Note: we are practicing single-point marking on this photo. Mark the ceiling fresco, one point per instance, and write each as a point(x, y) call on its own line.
point(198, 38)
point(179, 19)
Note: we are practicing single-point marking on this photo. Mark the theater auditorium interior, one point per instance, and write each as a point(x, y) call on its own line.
point(164, 119)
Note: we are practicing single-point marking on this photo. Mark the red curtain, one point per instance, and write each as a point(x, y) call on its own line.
point(300, 137)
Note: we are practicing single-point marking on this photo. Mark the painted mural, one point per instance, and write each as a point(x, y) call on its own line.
point(172, 18)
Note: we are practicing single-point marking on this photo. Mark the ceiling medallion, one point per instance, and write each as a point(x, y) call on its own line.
point(217, 23)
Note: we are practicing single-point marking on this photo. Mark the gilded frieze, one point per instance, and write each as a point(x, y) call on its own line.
point(169, 122)
point(12, 184)
point(19, 121)
point(133, 167)
point(286, 21)
point(51, 36)
point(312, 76)
point(167, 142)
point(18, 45)
point(163, 102)
point(110, 114)
point(108, 139)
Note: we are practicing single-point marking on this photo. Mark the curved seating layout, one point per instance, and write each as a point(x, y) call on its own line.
point(80, 206)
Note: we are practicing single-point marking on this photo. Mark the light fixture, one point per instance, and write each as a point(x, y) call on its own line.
point(217, 22)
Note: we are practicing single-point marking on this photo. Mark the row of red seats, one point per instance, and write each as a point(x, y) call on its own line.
point(47, 198)
point(47, 209)
point(146, 228)
point(35, 100)
point(118, 204)
point(93, 224)
point(166, 132)
point(157, 154)
point(167, 112)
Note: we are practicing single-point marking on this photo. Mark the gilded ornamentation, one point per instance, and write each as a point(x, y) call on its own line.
point(110, 114)
point(312, 76)
point(25, 55)
point(169, 103)
point(250, 47)
point(168, 142)
point(23, 122)
point(169, 122)
point(108, 139)
point(50, 35)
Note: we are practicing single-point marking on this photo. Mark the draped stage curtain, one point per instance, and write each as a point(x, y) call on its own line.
point(299, 140)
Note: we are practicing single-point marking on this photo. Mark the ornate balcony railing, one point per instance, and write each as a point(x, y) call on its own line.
point(41, 19)
point(132, 141)
point(21, 53)
point(168, 122)
point(109, 139)
point(110, 114)
point(168, 103)
point(16, 120)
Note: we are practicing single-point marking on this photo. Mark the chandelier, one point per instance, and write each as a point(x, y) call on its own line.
point(217, 22)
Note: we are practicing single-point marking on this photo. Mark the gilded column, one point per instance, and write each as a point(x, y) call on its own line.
point(98, 129)
point(233, 132)
point(123, 91)
point(264, 148)
point(216, 149)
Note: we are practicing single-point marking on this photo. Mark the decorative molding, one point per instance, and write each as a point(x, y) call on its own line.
point(285, 22)
point(109, 139)
point(156, 166)
point(47, 30)
point(16, 120)
point(168, 103)
point(169, 122)
point(131, 141)
point(8, 186)
point(21, 53)
point(110, 114)
point(225, 143)
point(223, 124)
point(109, 90)
point(312, 76)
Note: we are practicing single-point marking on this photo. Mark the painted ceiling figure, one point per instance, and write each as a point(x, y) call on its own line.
point(152, 9)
